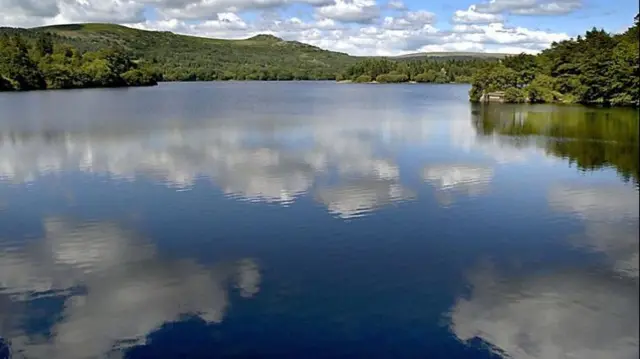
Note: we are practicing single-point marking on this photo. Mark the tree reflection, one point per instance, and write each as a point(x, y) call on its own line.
point(590, 138)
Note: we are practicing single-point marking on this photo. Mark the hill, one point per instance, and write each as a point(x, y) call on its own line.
point(80, 55)
point(181, 57)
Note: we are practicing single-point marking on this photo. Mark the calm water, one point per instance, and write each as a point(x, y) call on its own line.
point(315, 220)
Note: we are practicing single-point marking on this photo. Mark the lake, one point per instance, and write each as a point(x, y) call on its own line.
point(315, 220)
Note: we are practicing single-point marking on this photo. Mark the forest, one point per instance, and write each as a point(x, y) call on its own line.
point(597, 68)
point(41, 64)
point(188, 58)
point(382, 70)
point(62, 55)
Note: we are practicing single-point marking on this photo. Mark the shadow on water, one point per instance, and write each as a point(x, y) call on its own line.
point(590, 138)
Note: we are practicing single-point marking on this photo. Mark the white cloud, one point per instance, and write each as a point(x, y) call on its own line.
point(498, 33)
point(206, 8)
point(358, 11)
point(36, 13)
point(228, 25)
point(471, 16)
point(397, 5)
point(407, 33)
point(411, 20)
point(43, 8)
point(529, 7)
point(125, 11)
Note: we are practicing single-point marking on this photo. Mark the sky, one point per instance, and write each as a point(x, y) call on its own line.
point(356, 27)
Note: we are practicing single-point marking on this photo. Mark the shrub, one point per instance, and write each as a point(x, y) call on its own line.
point(515, 95)
point(363, 79)
point(538, 94)
point(392, 78)
point(423, 78)
point(138, 78)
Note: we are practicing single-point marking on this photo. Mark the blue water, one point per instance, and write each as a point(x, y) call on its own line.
point(311, 220)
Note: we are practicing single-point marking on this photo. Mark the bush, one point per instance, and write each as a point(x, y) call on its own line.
point(423, 78)
point(475, 93)
point(138, 78)
point(538, 94)
point(363, 79)
point(463, 79)
point(58, 76)
point(515, 95)
point(392, 78)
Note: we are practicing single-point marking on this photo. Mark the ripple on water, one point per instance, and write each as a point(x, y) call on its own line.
point(359, 198)
point(452, 180)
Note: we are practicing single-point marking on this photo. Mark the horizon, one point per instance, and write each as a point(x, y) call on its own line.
point(355, 27)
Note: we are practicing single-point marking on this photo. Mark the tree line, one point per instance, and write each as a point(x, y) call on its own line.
point(38, 63)
point(384, 70)
point(597, 68)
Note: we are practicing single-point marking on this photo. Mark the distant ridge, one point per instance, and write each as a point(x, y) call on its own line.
point(265, 37)
point(476, 55)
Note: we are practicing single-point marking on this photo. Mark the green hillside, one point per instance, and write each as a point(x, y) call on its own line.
point(100, 55)
point(180, 57)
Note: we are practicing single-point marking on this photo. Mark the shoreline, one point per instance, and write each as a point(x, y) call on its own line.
point(342, 82)
point(80, 88)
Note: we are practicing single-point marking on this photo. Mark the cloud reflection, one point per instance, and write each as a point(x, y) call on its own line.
point(566, 314)
point(116, 289)
point(450, 180)
point(357, 198)
point(611, 219)
point(275, 163)
point(501, 149)
point(562, 315)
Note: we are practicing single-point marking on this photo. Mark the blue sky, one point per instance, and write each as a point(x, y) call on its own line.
point(359, 27)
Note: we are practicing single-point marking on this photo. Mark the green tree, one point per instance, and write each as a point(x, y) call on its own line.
point(99, 73)
point(596, 68)
point(138, 78)
point(17, 67)
point(515, 95)
point(44, 44)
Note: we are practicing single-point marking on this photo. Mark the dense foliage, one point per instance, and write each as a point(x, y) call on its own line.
point(589, 138)
point(428, 70)
point(595, 69)
point(189, 58)
point(38, 63)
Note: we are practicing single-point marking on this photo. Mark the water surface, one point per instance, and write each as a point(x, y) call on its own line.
point(315, 220)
